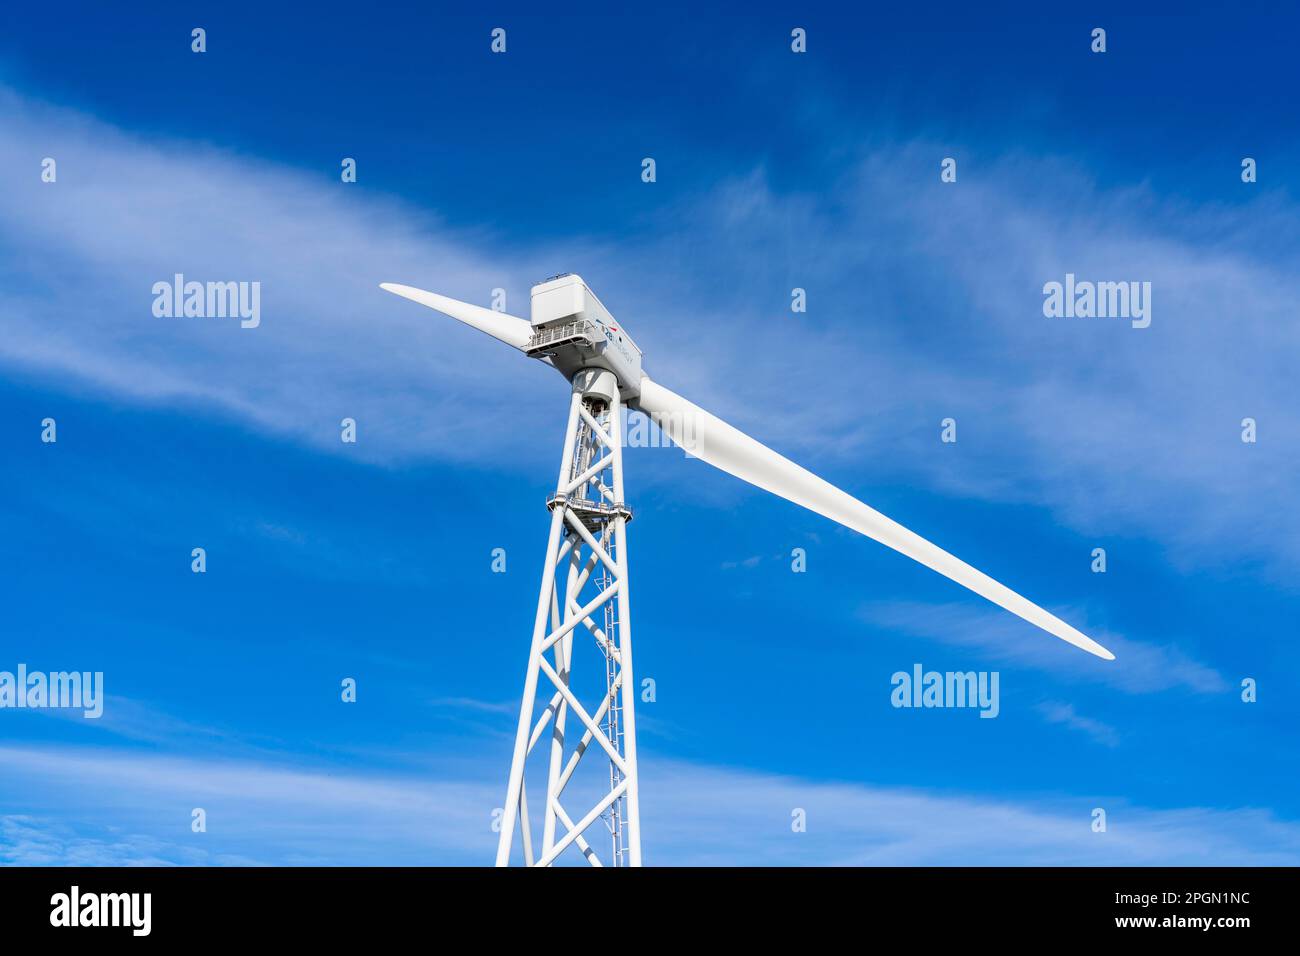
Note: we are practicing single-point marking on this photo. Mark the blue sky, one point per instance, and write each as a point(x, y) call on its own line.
point(775, 170)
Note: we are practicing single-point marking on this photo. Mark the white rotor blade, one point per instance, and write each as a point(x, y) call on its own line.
point(714, 441)
point(507, 328)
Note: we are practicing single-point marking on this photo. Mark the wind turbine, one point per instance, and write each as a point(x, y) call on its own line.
point(586, 554)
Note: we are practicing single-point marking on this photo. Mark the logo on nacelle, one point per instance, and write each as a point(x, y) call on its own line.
point(616, 341)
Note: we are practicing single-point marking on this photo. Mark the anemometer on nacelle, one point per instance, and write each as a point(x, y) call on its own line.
point(575, 332)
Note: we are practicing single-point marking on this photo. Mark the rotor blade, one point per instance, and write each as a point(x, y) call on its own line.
point(714, 441)
point(507, 328)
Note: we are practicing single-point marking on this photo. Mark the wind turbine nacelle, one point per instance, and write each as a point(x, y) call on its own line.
point(575, 331)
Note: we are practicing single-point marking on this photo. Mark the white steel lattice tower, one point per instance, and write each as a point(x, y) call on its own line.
point(582, 617)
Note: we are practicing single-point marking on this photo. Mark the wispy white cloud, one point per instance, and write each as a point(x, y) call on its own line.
point(477, 706)
point(135, 808)
point(860, 825)
point(40, 841)
point(257, 811)
point(1057, 712)
point(1139, 667)
point(81, 256)
point(919, 308)
point(138, 720)
point(924, 302)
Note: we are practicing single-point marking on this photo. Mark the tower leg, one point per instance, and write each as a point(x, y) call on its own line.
point(515, 784)
point(583, 616)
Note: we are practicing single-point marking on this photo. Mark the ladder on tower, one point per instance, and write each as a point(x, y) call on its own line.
point(615, 819)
